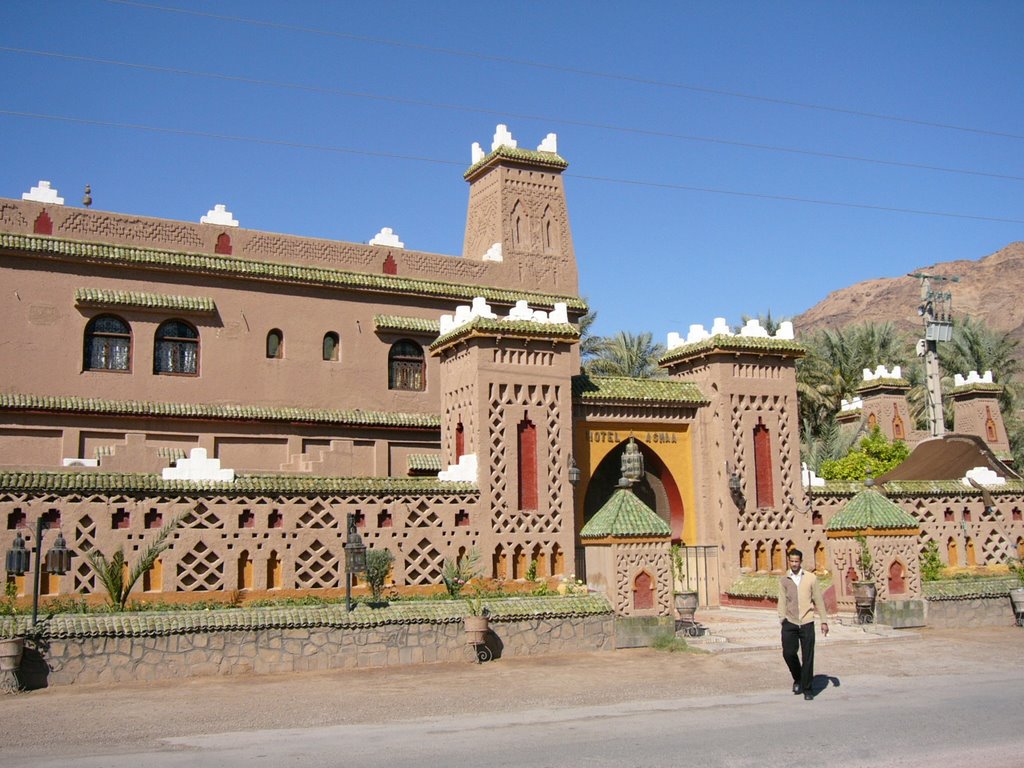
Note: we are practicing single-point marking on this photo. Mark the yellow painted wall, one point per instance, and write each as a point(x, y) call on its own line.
point(673, 445)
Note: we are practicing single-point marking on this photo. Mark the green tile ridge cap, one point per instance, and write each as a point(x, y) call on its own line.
point(870, 509)
point(157, 623)
point(624, 516)
point(108, 298)
point(624, 388)
point(205, 263)
point(428, 462)
point(975, 386)
point(399, 323)
point(877, 383)
point(515, 328)
point(915, 488)
point(123, 482)
point(727, 342)
point(55, 403)
point(547, 159)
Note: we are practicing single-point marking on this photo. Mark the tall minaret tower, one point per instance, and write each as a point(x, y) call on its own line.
point(517, 214)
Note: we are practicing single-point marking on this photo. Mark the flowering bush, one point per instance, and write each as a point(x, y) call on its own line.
point(572, 586)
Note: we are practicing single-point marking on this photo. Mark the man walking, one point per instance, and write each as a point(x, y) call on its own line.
point(799, 597)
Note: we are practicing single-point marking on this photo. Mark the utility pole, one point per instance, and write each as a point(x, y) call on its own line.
point(936, 309)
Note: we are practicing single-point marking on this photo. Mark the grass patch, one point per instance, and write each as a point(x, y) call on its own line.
point(670, 644)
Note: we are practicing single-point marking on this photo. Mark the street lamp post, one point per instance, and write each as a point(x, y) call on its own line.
point(355, 557)
point(58, 561)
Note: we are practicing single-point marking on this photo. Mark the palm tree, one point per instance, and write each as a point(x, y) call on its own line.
point(590, 345)
point(834, 365)
point(977, 347)
point(626, 354)
point(769, 323)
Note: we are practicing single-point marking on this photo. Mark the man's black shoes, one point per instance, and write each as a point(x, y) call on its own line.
point(796, 688)
point(808, 696)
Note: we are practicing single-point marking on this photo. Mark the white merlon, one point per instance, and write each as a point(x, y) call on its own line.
point(521, 311)
point(493, 253)
point(219, 214)
point(983, 476)
point(476, 153)
point(960, 380)
point(465, 471)
point(198, 467)
point(550, 144)
point(503, 138)
point(387, 237)
point(851, 405)
point(751, 329)
point(43, 193)
point(81, 462)
point(810, 480)
point(882, 372)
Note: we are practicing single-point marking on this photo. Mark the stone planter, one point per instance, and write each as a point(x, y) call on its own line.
point(11, 650)
point(864, 595)
point(476, 630)
point(686, 605)
point(1017, 599)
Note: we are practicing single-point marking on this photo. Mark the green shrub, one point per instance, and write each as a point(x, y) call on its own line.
point(378, 566)
point(931, 564)
point(875, 455)
point(457, 573)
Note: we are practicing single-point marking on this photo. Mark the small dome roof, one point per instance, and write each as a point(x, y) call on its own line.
point(625, 516)
point(870, 509)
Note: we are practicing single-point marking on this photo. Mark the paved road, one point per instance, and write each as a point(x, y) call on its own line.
point(939, 698)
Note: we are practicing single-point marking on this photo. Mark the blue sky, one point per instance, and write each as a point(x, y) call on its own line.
point(677, 216)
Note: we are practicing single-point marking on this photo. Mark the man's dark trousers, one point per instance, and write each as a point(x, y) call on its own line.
point(799, 637)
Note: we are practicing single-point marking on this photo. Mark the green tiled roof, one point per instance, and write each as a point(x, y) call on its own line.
point(549, 159)
point(625, 516)
point(120, 482)
point(140, 624)
point(878, 383)
point(870, 509)
point(424, 462)
point(968, 589)
point(623, 389)
point(916, 488)
point(18, 402)
point(97, 297)
point(727, 343)
point(760, 585)
point(408, 324)
point(482, 326)
point(229, 266)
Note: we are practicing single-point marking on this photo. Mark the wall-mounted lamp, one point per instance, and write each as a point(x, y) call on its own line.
point(355, 557)
point(736, 487)
point(574, 472)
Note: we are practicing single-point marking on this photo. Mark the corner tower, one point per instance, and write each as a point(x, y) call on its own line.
point(517, 214)
point(506, 424)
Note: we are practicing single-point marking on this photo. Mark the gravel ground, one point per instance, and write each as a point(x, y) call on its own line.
point(84, 718)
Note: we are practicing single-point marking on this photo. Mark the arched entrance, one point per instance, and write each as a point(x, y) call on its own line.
point(657, 489)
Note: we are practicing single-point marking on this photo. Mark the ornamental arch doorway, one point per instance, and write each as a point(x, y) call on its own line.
point(657, 488)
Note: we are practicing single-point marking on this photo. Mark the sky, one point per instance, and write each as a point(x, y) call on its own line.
point(725, 158)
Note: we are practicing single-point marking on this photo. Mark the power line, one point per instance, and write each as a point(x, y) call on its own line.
point(463, 53)
point(506, 114)
point(437, 161)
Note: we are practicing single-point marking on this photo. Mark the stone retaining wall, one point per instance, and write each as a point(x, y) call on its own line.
point(86, 650)
point(994, 611)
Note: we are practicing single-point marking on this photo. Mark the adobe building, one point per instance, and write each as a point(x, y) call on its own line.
point(263, 387)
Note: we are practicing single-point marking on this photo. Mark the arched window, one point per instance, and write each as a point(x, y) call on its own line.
point(897, 578)
point(108, 344)
point(176, 349)
point(407, 368)
point(460, 441)
point(898, 432)
point(332, 346)
point(275, 344)
point(990, 426)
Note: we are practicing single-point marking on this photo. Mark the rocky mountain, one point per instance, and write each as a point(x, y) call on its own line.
point(990, 289)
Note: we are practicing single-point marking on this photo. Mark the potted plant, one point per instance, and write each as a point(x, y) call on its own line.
point(684, 597)
point(476, 621)
point(1016, 566)
point(864, 590)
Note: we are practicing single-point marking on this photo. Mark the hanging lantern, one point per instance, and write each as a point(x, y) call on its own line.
point(632, 463)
